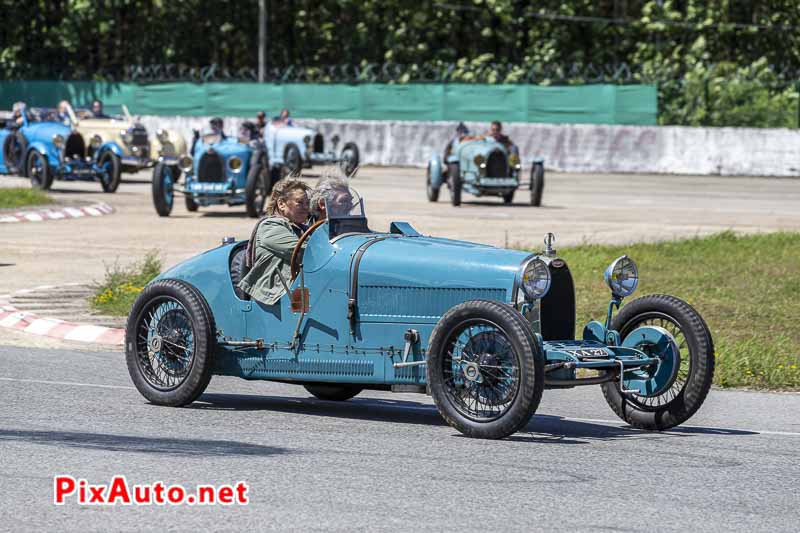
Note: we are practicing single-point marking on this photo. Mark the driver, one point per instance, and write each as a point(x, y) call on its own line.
point(273, 240)
point(496, 132)
point(97, 110)
point(336, 191)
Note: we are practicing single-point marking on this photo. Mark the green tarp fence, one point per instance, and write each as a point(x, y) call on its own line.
point(587, 104)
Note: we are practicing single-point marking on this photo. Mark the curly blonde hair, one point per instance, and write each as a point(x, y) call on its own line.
point(281, 191)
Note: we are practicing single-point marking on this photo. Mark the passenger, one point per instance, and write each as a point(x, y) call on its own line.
point(97, 110)
point(261, 123)
point(273, 240)
point(461, 133)
point(248, 132)
point(283, 119)
point(18, 112)
point(217, 126)
point(336, 191)
point(63, 113)
point(496, 132)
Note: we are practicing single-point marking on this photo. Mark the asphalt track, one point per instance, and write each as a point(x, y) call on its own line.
point(383, 462)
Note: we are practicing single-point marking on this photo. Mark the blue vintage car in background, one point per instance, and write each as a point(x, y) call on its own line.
point(293, 149)
point(221, 170)
point(44, 149)
point(483, 167)
point(484, 330)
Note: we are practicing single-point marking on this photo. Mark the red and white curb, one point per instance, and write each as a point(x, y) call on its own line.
point(13, 318)
point(38, 215)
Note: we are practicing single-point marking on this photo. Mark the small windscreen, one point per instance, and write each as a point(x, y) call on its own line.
point(211, 138)
point(346, 213)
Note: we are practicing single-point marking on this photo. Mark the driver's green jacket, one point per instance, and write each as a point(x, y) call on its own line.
point(272, 244)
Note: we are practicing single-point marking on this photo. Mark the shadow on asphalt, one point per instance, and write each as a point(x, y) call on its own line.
point(542, 428)
point(501, 204)
point(128, 443)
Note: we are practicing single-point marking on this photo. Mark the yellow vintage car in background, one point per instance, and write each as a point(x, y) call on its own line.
point(128, 139)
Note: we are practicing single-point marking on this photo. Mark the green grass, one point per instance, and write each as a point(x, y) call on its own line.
point(746, 287)
point(116, 293)
point(20, 197)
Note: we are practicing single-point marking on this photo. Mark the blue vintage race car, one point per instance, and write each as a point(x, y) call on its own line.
point(293, 148)
point(44, 150)
point(483, 167)
point(221, 170)
point(484, 330)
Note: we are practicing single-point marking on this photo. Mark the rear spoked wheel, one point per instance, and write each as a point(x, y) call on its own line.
point(485, 370)
point(676, 400)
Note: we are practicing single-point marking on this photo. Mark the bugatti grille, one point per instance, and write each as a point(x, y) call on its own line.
point(319, 144)
point(211, 168)
point(75, 147)
point(558, 306)
point(496, 165)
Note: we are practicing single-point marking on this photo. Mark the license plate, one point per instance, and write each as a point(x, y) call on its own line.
point(594, 353)
point(209, 187)
point(499, 182)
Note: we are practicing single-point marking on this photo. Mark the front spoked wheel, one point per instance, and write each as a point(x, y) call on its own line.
point(485, 369)
point(691, 352)
point(169, 343)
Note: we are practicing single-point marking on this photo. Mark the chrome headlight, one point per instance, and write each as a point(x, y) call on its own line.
point(622, 277)
point(535, 281)
point(513, 160)
point(127, 136)
point(185, 163)
point(58, 141)
point(479, 159)
point(235, 164)
point(95, 141)
point(162, 135)
point(307, 140)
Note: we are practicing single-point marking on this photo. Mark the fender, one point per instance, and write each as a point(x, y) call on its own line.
point(50, 152)
point(110, 145)
point(435, 165)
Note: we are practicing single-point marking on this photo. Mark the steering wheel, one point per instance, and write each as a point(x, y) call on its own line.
point(294, 264)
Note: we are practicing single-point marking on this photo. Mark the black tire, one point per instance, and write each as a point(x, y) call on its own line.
point(163, 189)
point(333, 393)
point(112, 176)
point(350, 165)
point(185, 370)
point(454, 179)
point(433, 192)
point(693, 380)
point(503, 322)
point(39, 171)
point(292, 161)
point(13, 152)
point(22, 149)
point(508, 198)
point(191, 205)
point(259, 185)
point(537, 184)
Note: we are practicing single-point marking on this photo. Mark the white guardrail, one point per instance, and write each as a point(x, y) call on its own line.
point(565, 147)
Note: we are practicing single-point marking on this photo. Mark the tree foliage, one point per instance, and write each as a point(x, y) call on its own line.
point(717, 61)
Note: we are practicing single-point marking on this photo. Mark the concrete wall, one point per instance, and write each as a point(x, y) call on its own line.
point(568, 148)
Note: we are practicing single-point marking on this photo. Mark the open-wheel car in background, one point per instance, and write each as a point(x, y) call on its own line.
point(134, 148)
point(485, 330)
point(43, 148)
point(483, 166)
point(222, 170)
point(294, 148)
